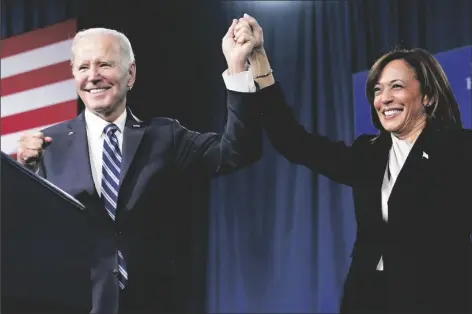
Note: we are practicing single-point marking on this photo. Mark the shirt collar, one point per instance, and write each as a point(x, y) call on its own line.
point(399, 142)
point(95, 124)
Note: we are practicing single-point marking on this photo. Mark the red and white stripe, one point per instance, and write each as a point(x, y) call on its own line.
point(37, 87)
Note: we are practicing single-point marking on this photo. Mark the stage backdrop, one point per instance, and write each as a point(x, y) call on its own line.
point(37, 86)
point(457, 65)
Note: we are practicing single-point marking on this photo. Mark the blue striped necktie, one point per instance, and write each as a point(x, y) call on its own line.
point(111, 167)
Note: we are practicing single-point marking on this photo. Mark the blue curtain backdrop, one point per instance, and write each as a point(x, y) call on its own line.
point(19, 16)
point(279, 236)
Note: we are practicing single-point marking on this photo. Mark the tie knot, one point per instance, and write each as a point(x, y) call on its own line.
point(110, 128)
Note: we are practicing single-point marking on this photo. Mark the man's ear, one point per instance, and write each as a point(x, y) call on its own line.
point(132, 75)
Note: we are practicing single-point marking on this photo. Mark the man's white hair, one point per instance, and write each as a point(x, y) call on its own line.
point(125, 45)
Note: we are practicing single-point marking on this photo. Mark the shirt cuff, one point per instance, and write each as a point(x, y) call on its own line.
point(242, 82)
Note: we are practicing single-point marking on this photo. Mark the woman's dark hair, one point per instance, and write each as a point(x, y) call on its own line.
point(433, 81)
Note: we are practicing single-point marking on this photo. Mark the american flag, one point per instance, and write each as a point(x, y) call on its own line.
point(37, 87)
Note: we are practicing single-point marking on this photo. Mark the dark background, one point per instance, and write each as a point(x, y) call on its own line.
point(273, 237)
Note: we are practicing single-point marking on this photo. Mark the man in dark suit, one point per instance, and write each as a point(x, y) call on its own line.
point(129, 173)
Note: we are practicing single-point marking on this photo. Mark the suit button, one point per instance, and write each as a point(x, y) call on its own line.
point(115, 272)
point(116, 233)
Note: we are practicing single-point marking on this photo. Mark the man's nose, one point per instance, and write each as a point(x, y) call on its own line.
point(94, 75)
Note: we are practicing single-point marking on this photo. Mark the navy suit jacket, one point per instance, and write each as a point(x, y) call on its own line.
point(151, 214)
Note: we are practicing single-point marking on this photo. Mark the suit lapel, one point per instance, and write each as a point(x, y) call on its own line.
point(378, 164)
point(132, 136)
point(380, 156)
point(77, 154)
point(412, 172)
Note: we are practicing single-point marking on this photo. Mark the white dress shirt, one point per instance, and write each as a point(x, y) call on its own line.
point(242, 82)
point(396, 159)
point(95, 138)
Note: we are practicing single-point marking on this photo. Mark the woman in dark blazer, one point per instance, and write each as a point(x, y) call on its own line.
point(412, 186)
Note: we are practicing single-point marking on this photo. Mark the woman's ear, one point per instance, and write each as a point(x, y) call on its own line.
point(427, 102)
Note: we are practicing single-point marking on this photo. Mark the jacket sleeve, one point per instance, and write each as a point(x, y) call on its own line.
point(237, 146)
point(334, 160)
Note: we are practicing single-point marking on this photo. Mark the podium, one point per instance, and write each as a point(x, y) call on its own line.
point(45, 243)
